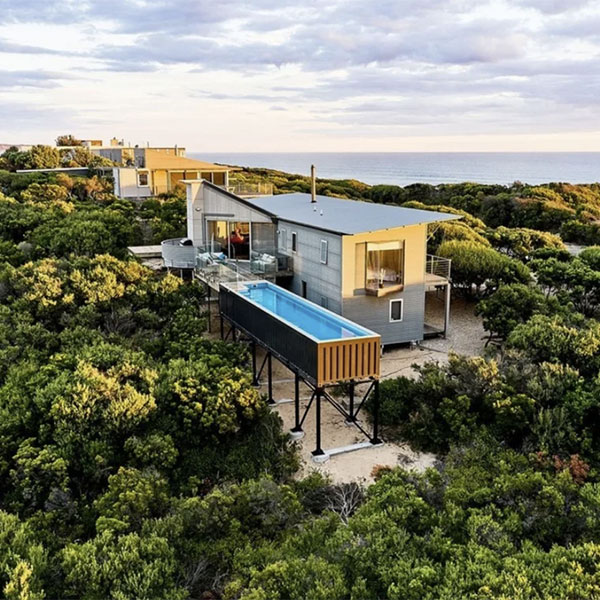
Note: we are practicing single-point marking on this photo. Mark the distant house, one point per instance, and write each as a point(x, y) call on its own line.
point(367, 262)
point(145, 171)
point(157, 171)
point(148, 171)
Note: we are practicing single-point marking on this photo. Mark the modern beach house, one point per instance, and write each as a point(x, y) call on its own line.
point(148, 171)
point(366, 262)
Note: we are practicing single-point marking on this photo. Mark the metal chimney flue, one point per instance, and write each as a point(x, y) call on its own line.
point(313, 184)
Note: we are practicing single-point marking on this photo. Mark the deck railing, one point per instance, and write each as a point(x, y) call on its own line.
point(247, 190)
point(214, 266)
point(438, 266)
point(177, 255)
point(250, 189)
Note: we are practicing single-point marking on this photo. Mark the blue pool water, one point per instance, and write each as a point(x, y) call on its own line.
point(311, 319)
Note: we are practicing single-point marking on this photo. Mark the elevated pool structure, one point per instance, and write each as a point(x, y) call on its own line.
point(320, 347)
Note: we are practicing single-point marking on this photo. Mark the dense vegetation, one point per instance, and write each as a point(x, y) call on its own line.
point(137, 461)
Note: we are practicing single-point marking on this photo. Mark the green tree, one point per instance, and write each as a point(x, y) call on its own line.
point(23, 560)
point(510, 305)
point(480, 270)
point(67, 140)
point(121, 566)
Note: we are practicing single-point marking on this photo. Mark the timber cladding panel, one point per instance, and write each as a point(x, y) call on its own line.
point(342, 360)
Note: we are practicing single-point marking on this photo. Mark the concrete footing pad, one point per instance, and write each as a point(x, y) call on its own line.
point(320, 458)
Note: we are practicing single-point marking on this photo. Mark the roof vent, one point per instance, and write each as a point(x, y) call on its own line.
point(321, 213)
point(313, 184)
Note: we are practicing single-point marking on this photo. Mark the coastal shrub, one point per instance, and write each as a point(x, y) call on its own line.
point(511, 305)
point(553, 339)
point(479, 270)
point(591, 257)
point(522, 243)
point(574, 283)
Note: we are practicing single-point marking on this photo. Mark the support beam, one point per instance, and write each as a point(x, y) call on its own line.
point(297, 432)
point(222, 323)
point(447, 309)
point(318, 453)
point(351, 416)
point(270, 379)
point(253, 350)
point(375, 439)
point(209, 310)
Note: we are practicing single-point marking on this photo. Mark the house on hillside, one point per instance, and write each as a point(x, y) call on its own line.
point(366, 262)
point(148, 171)
point(145, 171)
point(156, 171)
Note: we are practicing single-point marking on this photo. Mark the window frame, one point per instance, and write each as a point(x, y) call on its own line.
point(326, 260)
point(147, 174)
point(294, 241)
point(282, 242)
point(401, 301)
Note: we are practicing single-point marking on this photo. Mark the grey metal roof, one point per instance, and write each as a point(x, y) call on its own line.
point(344, 216)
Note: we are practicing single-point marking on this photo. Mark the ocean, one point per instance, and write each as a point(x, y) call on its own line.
point(404, 168)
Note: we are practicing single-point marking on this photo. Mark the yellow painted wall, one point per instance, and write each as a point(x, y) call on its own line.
point(176, 178)
point(415, 253)
point(160, 180)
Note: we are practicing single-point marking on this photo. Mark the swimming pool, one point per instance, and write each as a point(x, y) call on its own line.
point(317, 322)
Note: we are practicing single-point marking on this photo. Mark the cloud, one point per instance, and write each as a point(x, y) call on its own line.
point(554, 6)
point(465, 65)
point(7, 46)
point(35, 79)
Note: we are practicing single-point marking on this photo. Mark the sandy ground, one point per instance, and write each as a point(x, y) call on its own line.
point(464, 337)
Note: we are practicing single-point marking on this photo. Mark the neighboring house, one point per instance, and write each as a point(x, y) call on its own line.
point(367, 262)
point(158, 171)
point(147, 171)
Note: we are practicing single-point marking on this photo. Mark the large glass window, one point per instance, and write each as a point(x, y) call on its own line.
point(239, 240)
point(263, 237)
point(384, 271)
point(218, 236)
point(230, 238)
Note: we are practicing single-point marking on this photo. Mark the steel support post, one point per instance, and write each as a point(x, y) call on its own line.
point(375, 439)
point(270, 379)
point(297, 426)
point(447, 300)
point(351, 418)
point(318, 451)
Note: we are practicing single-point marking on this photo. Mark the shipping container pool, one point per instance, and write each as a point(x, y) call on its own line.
point(306, 316)
point(324, 345)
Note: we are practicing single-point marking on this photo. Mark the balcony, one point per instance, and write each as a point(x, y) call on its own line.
point(437, 271)
point(215, 267)
point(178, 255)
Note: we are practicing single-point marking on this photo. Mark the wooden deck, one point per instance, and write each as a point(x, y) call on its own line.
point(432, 281)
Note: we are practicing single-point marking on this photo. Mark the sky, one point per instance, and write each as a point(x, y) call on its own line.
point(290, 76)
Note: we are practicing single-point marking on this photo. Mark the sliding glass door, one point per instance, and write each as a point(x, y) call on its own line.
point(230, 238)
